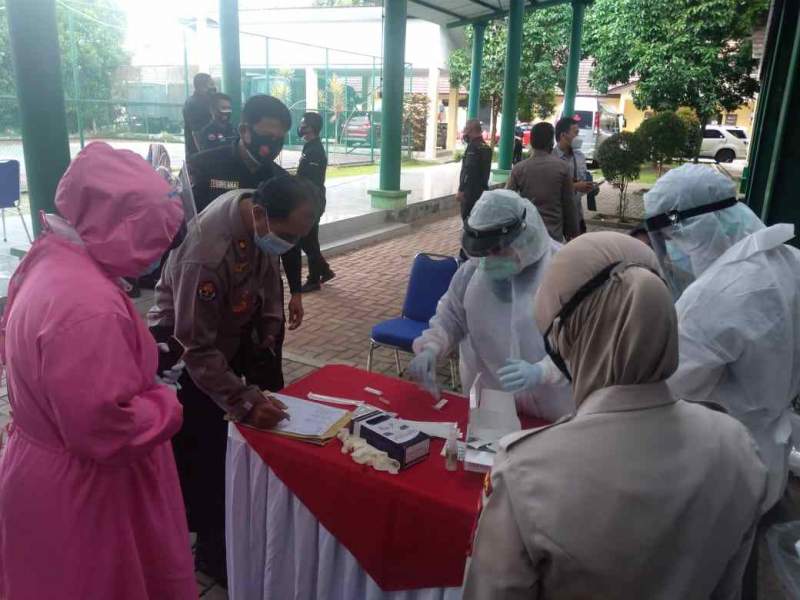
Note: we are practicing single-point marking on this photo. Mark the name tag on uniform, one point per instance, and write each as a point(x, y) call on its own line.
point(223, 184)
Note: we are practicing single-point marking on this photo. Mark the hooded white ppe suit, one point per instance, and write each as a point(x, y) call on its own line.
point(738, 321)
point(491, 319)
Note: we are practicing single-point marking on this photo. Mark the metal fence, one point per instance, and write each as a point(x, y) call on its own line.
point(146, 103)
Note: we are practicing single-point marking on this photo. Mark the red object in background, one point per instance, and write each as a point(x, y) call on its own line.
point(526, 138)
point(408, 531)
point(486, 136)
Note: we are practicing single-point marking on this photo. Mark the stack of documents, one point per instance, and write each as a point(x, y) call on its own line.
point(310, 421)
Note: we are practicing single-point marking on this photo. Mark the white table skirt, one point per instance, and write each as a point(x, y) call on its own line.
point(278, 550)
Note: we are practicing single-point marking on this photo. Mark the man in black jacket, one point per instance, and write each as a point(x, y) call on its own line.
point(313, 164)
point(220, 131)
point(476, 167)
point(197, 112)
point(244, 164)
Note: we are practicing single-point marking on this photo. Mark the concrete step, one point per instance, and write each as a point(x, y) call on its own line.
point(371, 236)
point(350, 227)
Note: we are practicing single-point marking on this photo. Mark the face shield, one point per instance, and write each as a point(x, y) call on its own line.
point(671, 245)
point(483, 243)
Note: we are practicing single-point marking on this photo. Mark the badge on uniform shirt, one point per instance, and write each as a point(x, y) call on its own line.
point(242, 305)
point(207, 291)
point(487, 485)
point(212, 137)
point(487, 491)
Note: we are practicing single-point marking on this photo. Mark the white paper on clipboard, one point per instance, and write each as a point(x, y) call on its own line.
point(187, 198)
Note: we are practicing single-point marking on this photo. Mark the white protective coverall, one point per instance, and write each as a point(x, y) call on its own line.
point(739, 321)
point(491, 319)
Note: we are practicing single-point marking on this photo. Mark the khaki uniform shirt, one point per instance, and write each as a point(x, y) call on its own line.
point(636, 497)
point(219, 291)
point(545, 180)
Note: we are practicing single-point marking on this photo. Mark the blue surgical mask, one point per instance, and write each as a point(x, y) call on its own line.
point(272, 244)
point(499, 268)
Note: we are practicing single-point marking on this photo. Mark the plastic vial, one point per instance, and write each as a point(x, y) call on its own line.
point(451, 450)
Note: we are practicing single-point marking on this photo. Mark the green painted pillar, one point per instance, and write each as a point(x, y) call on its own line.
point(229, 47)
point(479, 30)
point(389, 195)
point(186, 90)
point(510, 90)
point(571, 87)
point(33, 38)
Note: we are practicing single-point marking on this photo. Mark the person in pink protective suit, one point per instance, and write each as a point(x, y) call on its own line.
point(90, 505)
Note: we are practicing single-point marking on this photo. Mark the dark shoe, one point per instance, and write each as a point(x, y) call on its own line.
point(210, 559)
point(310, 286)
point(327, 275)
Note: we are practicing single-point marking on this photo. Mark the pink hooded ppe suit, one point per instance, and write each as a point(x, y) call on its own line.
point(90, 505)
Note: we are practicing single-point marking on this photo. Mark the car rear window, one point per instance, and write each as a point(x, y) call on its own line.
point(739, 133)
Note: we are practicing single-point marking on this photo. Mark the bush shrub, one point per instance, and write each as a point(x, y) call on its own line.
point(620, 158)
point(663, 137)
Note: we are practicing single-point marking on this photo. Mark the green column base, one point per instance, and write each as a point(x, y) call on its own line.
point(500, 175)
point(390, 199)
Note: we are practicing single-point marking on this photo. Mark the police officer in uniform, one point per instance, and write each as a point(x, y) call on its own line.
point(476, 167)
point(313, 164)
point(220, 131)
point(219, 308)
point(244, 164)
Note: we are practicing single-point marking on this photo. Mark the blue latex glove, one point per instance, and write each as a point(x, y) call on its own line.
point(422, 369)
point(518, 375)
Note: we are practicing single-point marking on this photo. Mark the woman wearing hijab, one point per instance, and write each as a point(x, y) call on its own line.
point(90, 506)
point(637, 495)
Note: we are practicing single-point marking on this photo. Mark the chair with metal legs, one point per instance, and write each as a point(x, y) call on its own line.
point(10, 194)
point(430, 277)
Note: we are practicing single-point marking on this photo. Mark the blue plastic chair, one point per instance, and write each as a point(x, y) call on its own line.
point(429, 280)
point(9, 193)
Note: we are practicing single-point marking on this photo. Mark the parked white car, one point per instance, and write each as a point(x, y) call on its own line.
point(724, 143)
point(596, 123)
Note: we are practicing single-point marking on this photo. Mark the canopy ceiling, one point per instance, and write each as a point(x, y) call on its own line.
point(457, 13)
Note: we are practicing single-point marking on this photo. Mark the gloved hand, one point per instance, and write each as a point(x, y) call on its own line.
point(422, 369)
point(518, 375)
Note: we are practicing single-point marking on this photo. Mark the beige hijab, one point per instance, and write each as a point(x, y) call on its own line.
point(626, 331)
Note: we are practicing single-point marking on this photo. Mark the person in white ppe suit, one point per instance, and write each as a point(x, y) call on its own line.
point(487, 310)
point(738, 315)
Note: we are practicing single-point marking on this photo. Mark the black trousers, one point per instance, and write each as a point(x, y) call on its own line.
point(317, 265)
point(201, 443)
point(468, 203)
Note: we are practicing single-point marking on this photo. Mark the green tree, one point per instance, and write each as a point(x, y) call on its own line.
point(620, 158)
point(694, 53)
point(415, 119)
point(664, 138)
point(545, 50)
point(694, 135)
point(98, 30)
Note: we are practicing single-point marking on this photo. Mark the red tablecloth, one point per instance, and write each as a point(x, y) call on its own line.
point(408, 531)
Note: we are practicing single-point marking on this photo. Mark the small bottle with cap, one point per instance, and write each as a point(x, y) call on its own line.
point(451, 449)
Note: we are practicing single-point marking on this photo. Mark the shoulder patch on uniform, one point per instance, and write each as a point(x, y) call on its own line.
point(212, 136)
point(207, 291)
